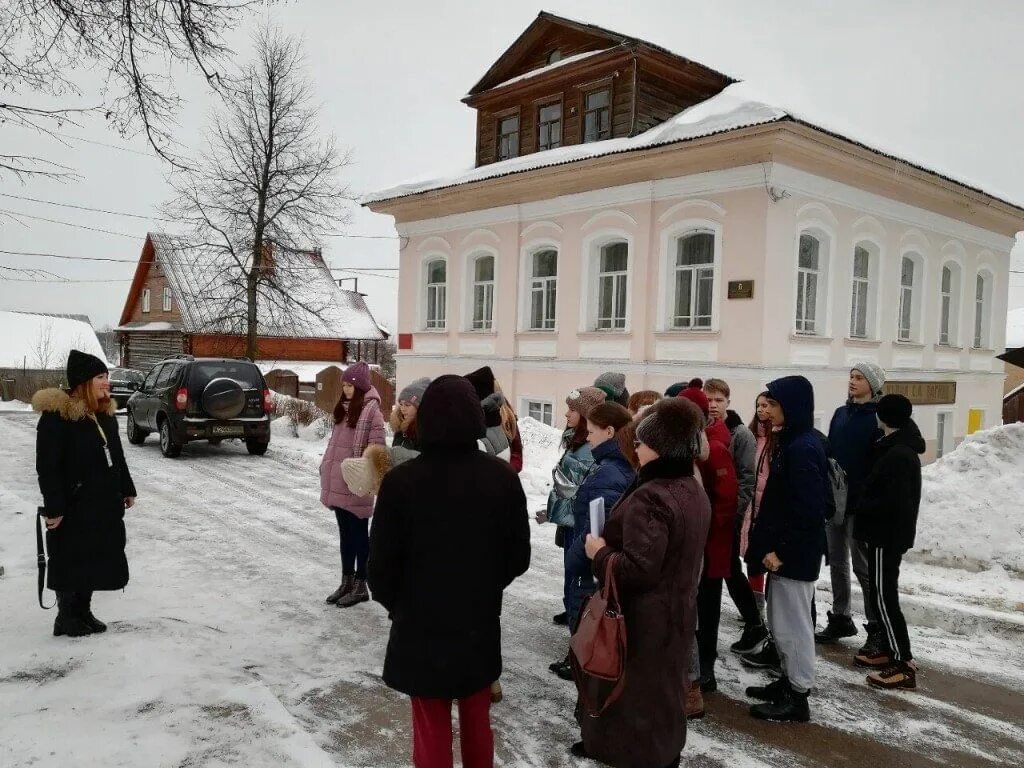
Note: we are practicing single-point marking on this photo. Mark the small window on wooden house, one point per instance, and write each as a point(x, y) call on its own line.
point(597, 115)
point(555, 56)
point(167, 299)
point(508, 137)
point(549, 127)
point(145, 299)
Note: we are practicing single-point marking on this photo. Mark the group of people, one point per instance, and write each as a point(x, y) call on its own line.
point(694, 497)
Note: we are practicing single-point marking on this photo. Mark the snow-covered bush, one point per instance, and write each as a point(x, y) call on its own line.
point(300, 413)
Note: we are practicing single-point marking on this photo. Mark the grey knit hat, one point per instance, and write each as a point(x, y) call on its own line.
point(874, 373)
point(413, 392)
point(583, 399)
point(613, 384)
point(671, 428)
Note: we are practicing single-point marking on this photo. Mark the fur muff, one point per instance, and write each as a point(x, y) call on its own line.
point(55, 400)
point(364, 475)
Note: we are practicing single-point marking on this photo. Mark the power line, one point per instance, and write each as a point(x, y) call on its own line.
point(119, 147)
point(16, 214)
point(86, 208)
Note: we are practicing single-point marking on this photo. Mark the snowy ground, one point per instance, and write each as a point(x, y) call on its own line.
point(222, 652)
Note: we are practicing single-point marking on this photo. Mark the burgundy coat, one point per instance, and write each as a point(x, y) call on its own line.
point(657, 533)
point(719, 476)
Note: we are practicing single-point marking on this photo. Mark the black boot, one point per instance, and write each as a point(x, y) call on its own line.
point(838, 627)
point(790, 706)
point(707, 682)
point(359, 594)
point(771, 692)
point(561, 619)
point(85, 611)
point(68, 621)
point(766, 658)
point(750, 641)
point(562, 668)
point(876, 640)
point(343, 589)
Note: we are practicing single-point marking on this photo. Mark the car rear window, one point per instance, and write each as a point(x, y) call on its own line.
point(246, 374)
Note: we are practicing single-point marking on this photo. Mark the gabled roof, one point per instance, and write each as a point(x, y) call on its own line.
point(504, 68)
point(209, 302)
point(41, 341)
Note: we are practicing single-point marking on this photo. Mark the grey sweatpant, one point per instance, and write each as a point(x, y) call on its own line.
point(842, 547)
point(789, 619)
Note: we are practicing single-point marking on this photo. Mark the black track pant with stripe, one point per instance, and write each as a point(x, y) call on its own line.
point(884, 565)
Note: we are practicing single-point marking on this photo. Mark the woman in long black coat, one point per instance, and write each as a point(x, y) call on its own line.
point(450, 533)
point(86, 488)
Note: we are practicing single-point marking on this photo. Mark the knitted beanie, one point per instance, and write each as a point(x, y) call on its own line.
point(358, 375)
point(698, 398)
point(874, 373)
point(895, 411)
point(675, 389)
point(482, 380)
point(414, 391)
point(583, 399)
point(82, 366)
point(671, 428)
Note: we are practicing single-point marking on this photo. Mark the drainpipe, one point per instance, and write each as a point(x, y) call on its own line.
point(632, 117)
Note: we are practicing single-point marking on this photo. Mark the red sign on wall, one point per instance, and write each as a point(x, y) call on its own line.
point(405, 341)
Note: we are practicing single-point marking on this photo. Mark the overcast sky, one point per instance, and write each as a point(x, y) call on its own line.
point(936, 81)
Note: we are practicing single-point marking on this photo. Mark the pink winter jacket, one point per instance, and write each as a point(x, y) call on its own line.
point(761, 465)
point(334, 492)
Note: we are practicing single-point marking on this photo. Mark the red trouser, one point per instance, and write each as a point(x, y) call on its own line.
point(432, 731)
point(757, 583)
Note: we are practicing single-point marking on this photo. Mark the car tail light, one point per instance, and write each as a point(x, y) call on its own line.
point(268, 401)
point(181, 399)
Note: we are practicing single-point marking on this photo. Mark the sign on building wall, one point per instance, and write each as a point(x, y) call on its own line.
point(924, 392)
point(741, 289)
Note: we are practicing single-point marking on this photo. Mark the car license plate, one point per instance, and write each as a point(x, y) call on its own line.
point(227, 431)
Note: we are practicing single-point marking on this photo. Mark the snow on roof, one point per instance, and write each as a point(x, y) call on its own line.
point(548, 67)
point(731, 109)
point(317, 308)
point(737, 106)
point(155, 326)
point(43, 342)
point(1015, 328)
point(306, 370)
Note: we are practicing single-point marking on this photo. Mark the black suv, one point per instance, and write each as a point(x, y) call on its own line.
point(185, 399)
point(124, 383)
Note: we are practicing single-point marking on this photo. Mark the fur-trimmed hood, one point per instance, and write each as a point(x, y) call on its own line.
point(55, 400)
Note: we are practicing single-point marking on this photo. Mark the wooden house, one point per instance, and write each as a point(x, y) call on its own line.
point(176, 304)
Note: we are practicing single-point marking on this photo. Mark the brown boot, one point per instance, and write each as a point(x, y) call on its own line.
point(359, 594)
point(496, 693)
point(694, 703)
point(876, 660)
point(901, 674)
point(343, 589)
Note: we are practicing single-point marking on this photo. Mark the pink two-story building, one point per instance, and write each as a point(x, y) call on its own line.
point(632, 210)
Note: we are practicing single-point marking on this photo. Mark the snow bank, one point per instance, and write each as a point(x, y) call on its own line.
point(43, 342)
point(14, 405)
point(542, 447)
point(970, 508)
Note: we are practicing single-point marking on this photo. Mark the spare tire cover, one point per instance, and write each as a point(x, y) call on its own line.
point(223, 398)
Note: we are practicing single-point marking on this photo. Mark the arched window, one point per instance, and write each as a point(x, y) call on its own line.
point(437, 295)
point(863, 291)
point(911, 276)
point(694, 280)
point(612, 286)
point(949, 304)
point(483, 293)
point(811, 282)
point(543, 289)
point(982, 300)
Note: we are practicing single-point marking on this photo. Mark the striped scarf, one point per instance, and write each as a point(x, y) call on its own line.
point(361, 433)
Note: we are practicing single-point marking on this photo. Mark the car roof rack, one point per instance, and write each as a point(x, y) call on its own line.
point(180, 356)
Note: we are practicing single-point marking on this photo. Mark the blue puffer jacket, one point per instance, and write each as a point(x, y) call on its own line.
point(852, 435)
point(609, 480)
point(791, 521)
point(575, 466)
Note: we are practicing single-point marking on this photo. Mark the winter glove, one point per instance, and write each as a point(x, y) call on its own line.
point(541, 516)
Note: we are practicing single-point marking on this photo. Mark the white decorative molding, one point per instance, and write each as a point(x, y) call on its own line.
point(954, 249)
point(698, 350)
point(907, 359)
point(476, 347)
point(483, 233)
point(870, 225)
point(916, 240)
point(618, 216)
point(430, 344)
point(687, 204)
point(815, 210)
point(531, 228)
point(947, 361)
point(854, 356)
point(434, 242)
point(982, 363)
point(810, 354)
point(537, 348)
point(612, 349)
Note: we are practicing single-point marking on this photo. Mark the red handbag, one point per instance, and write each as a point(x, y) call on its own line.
point(598, 647)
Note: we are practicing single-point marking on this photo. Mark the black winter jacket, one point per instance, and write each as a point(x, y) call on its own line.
point(891, 494)
point(791, 520)
point(77, 483)
point(450, 532)
point(851, 435)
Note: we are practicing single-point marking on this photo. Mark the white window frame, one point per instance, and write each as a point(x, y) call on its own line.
point(952, 331)
point(982, 325)
point(943, 435)
point(146, 300)
point(527, 284)
point(167, 299)
point(526, 402)
point(589, 308)
point(470, 283)
point(670, 238)
point(916, 297)
point(822, 301)
point(874, 251)
point(424, 292)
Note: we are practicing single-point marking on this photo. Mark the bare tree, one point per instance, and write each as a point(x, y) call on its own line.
point(44, 347)
point(134, 44)
point(253, 202)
